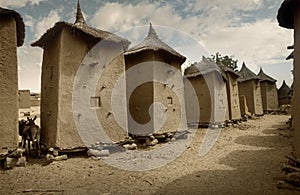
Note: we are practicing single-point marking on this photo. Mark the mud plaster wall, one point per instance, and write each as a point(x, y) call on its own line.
point(8, 85)
point(296, 95)
point(142, 99)
point(49, 91)
point(24, 99)
point(212, 99)
point(233, 98)
point(251, 90)
point(73, 50)
point(269, 96)
point(243, 105)
point(112, 72)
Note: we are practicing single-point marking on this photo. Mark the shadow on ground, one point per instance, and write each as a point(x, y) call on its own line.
point(254, 172)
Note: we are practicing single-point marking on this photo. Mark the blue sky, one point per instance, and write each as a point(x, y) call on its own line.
point(246, 29)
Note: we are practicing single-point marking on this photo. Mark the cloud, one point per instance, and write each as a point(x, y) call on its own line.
point(258, 43)
point(18, 3)
point(45, 23)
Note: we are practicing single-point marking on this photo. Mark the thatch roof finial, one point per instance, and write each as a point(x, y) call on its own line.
point(152, 32)
point(79, 15)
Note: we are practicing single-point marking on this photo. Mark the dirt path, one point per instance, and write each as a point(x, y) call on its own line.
point(243, 161)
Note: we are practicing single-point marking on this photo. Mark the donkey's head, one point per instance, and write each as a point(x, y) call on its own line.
point(31, 121)
point(22, 124)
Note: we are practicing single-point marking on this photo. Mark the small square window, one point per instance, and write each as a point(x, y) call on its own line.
point(95, 102)
point(170, 101)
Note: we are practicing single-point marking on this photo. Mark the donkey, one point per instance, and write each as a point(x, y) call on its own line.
point(30, 132)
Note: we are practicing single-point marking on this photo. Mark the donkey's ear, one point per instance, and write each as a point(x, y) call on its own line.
point(34, 118)
point(27, 118)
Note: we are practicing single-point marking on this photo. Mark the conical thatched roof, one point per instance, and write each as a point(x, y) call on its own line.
point(284, 90)
point(227, 69)
point(264, 77)
point(246, 74)
point(19, 23)
point(152, 42)
point(285, 16)
point(201, 68)
point(81, 27)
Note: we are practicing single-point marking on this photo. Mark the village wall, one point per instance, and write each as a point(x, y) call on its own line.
point(24, 99)
point(8, 84)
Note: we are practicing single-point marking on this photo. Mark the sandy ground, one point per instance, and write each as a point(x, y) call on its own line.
point(245, 160)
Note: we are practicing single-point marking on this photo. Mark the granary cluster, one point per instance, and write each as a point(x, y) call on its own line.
point(221, 93)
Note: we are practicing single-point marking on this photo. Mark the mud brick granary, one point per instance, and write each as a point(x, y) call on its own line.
point(209, 83)
point(158, 67)
point(12, 33)
point(249, 86)
point(68, 47)
point(284, 94)
point(268, 92)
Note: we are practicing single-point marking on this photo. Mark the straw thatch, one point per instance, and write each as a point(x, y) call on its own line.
point(152, 42)
point(204, 67)
point(227, 69)
point(246, 74)
point(285, 16)
point(284, 91)
point(81, 27)
point(264, 77)
point(19, 23)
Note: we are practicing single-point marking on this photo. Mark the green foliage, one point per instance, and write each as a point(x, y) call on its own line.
point(226, 60)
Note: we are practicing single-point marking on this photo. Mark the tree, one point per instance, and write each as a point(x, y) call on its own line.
point(226, 60)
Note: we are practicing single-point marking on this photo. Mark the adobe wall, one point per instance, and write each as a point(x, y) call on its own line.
point(296, 95)
point(269, 96)
point(247, 89)
point(104, 90)
point(49, 91)
point(257, 98)
point(72, 51)
point(8, 85)
point(220, 98)
point(154, 67)
point(24, 99)
point(233, 98)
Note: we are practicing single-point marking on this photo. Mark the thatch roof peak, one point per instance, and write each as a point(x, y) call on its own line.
point(153, 42)
point(284, 90)
point(82, 29)
point(246, 74)
point(264, 77)
point(227, 69)
point(79, 15)
point(152, 32)
point(19, 23)
point(203, 67)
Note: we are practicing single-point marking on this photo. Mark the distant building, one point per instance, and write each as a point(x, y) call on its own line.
point(209, 83)
point(232, 92)
point(35, 99)
point(249, 86)
point(68, 47)
point(24, 99)
point(12, 33)
point(284, 96)
point(153, 60)
point(268, 92)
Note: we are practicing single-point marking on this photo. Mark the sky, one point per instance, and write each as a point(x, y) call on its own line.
point(245, 29)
